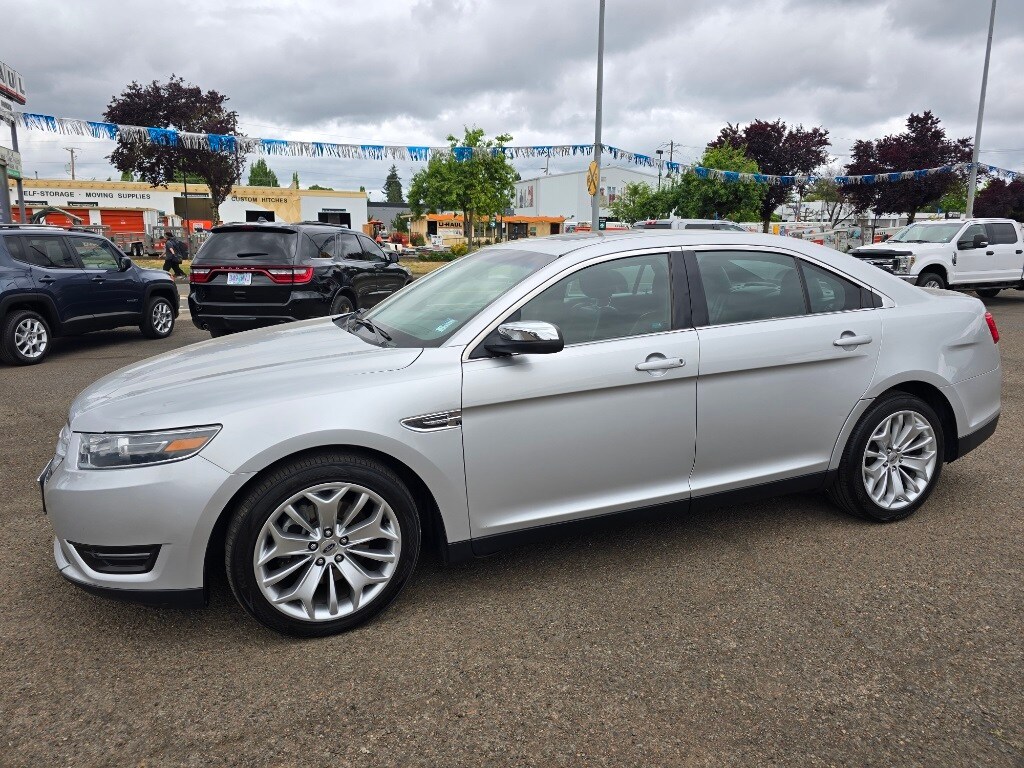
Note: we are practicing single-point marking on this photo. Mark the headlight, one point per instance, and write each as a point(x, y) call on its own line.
point(904, 263)
point(111, 451)
point(63, 441)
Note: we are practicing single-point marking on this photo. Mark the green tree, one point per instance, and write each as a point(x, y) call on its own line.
point(393, 187)
point(400, 223)
point(693, 197)
point(127, 176)
point(184, 107)
point(637, 202)
point(837, 204)
point(473, 178)
point(260, 175)
point(295, 180)
point(317, 186)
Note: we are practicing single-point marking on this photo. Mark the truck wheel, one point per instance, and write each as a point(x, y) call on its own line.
point(25, 338)
point(931, 280)
point(988, 293)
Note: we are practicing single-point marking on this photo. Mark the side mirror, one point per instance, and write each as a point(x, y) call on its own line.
point(980, 241)
point(125, 264)
point(393, 257)
point(525, 338)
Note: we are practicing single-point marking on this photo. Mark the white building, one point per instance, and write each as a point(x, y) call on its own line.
point(565, 194)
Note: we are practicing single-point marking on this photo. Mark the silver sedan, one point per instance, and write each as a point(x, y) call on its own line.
point(535, 384)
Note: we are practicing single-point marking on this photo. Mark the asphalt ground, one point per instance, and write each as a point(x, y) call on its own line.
point(779, 633)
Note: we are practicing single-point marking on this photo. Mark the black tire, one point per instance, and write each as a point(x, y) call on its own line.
point(276, 487)
point(12, 326)
point(931, 280)
point(848, 491)
point(159, 313)
point(988, 293)
point(342, 305)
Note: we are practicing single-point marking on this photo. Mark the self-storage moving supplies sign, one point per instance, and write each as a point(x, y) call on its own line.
point(11, 84)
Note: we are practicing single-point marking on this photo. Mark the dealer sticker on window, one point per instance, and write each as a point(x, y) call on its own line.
point(445, 325)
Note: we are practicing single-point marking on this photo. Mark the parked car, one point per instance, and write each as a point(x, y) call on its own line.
point(529, 385)
point(712, 224)
point(55, 282)
point(253, 275)
point(983, 255)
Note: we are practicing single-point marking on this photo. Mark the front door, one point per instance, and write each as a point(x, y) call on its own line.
point(359, 273)
point(389, 278)
point(115, 297)
point(775, 390)
point(57, 274)
point(973, 265)
point(584, 432)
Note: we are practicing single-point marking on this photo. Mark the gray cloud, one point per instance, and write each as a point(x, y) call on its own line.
point(416, 71)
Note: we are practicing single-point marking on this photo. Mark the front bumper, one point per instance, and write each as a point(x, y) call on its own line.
point(170, 509)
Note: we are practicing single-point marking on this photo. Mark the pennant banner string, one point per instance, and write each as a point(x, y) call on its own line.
point(214, 142)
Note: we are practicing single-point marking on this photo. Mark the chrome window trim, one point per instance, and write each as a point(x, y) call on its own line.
point(495, 322)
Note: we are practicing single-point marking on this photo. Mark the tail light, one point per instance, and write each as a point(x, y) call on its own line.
point(992, 327)
point(199, 275)
point(290, 274)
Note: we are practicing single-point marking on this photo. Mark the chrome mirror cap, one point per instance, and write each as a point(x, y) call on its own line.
point(525, 338)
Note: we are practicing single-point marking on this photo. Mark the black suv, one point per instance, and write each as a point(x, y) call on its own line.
point(252, 275)
point(58, 282)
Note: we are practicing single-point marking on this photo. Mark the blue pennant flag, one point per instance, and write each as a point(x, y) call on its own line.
point(462, 153)
point(166, 136)
point(103, 130)
point(868, 179)
point(418, 153)
point(274, 146)
point(220, 142)
point(731, 175)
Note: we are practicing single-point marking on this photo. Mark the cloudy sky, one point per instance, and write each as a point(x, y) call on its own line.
point(411, 72)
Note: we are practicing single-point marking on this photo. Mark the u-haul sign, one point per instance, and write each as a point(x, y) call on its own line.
point(11, 84)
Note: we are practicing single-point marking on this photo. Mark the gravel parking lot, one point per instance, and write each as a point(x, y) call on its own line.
point(780, 633)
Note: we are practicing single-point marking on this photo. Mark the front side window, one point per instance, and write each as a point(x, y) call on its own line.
point(744, 286)
point(968, 236)
point(348, 248)
point(42, 251)
point(430, 310)
point(610, 300)
point(372, 251)
point(95, 254)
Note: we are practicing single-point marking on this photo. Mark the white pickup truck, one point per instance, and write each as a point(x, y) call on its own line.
point(983, 255)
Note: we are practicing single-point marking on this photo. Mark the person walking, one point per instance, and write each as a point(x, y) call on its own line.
point(173, 256)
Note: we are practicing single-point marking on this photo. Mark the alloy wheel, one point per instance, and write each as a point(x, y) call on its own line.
point(162, 317)
point(327, 551)
point(899, 460)
point(31, 338)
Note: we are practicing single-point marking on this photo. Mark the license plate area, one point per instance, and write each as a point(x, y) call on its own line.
point(239, 278)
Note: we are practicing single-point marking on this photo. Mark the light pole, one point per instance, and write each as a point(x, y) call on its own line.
point(595, 203)
point(973, 183)
point(659, 152)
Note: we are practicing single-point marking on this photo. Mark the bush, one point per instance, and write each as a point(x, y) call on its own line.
point(459, 249)
point(438, 256)
point(418, 239)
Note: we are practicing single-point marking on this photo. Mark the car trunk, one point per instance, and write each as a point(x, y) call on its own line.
point(249, 265)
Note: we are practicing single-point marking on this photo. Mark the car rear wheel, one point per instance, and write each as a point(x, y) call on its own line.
point(158, 321)
point(322, 544)
point(931, 280)
point(988, 293)
point(342, 305)
point(25, 338)
point(892, 460)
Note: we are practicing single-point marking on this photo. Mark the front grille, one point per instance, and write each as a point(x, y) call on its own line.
point(104, 559)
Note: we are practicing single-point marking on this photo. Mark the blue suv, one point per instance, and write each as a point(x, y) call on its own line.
point(57, 282)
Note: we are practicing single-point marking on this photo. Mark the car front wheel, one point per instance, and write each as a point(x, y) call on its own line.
point(24, 338)
point(892, 460)
point(159, 319)
point(322, 544)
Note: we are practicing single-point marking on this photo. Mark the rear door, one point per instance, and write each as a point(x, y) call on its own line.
point(57, 274)
point(359, 273)
point(774, 388)
point(389, 277)
point(1005, 248)
point(115, 297)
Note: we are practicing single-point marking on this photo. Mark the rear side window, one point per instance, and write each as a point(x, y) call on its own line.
point(95, 254)
point(42, 251)
point(744, 286)
point(249, 247)
point(827, 292)
point(1001, 233)
point(319, 245)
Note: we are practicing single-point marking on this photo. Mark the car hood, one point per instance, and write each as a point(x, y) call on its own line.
point(202, 383)
point(889, 248)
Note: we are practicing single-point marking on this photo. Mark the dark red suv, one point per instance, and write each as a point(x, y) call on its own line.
point(253, 275)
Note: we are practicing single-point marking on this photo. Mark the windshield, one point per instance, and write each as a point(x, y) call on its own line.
point(926, 233)
point(433, 308)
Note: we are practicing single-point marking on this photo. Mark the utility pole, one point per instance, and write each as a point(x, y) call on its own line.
point(973, 183)
point(595, 203)
point(72, 150)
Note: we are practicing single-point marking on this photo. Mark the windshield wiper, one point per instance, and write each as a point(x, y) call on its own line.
point(370, 326)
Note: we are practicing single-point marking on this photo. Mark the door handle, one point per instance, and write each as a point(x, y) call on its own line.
point(47, 279)
point(851, 340)
point(661, 364)
point(990, 253)
point(1019, 251)
point(98, 279)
